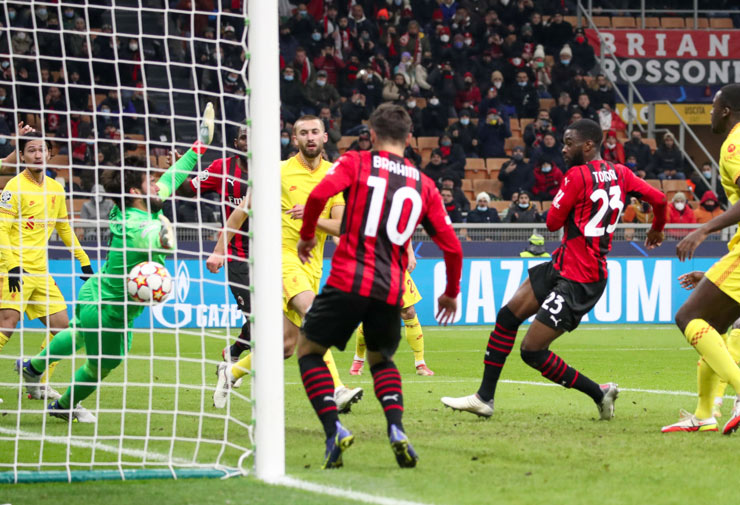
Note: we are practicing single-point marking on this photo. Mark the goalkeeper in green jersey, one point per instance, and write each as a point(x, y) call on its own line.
point(103, 316)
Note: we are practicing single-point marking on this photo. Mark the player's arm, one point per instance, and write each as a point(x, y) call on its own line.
point(8, 218)
point(8, 165)
point(654, 197)
point(178, 173)
point(341, 175)
point(568, 194)
point(333, 224)
point(216, 260)
point(438, 226)
point(412, 257)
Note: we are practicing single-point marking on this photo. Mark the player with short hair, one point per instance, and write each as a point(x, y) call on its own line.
point(298, 175)
point(228, 177)
point(388, 197)
point(715, 302)
point(103, 314)
point(563, 290)
point(32, 206)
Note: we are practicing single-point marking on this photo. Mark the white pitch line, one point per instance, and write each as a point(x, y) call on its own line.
point(98, 446)
point(342, 493)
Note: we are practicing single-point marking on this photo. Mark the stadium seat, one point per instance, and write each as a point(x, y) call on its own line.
point(427, 143)
point(602, 21)
point(512, 142)
point(702, 23)
point(474, 175)
point(421, 102)
point(650, 23)
point(495, 163)
point(723, 23)
point(545, 206)
point(345, 142)
point(523, 122)
point(60, 161)
point(413, 143)
point(467, 185)
point(652, 143)
point(500, 205)
point(74, 206)
point(672, 23)
point(487, 185)
point(623, 22)
point(654, 183)
point(475, 164)
point(573, 20)
point(451, 121)
point(547, 103)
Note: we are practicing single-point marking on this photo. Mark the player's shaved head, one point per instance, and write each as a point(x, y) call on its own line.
point(729, 96)
point(303, 119)
point(726, 108)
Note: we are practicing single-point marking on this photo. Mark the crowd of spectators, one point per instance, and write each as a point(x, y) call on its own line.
point(64, 71)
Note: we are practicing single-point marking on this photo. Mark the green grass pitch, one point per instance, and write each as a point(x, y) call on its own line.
point(543, 444)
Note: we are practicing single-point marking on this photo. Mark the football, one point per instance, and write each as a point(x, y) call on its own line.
point(149, 282)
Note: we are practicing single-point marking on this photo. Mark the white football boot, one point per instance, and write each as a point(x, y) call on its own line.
point(471, 403)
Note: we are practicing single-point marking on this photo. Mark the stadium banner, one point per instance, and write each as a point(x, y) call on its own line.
point(639, 290)
point(692, 113)
point(685, 57)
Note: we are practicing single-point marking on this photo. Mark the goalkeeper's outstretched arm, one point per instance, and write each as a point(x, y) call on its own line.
point(179, 172)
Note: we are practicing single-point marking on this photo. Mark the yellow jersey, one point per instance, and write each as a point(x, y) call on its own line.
point(729, 171)
point(29, 213)
point(297, 182)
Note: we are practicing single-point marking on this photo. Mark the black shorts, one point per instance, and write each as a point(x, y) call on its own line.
point(563, 302)
point(335, 315)
point(239, 284)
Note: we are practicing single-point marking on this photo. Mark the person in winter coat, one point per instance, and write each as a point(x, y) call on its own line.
point(679, 212)
point(482, 213)
point(450, 206)
point(549, 150)
point(434, 118)
point(547, 180)
point(492, 135)
point(516, 174)
point(708, 207)
point(668, 161)
point(524, 212)
point(465, 133)
point(612, 150)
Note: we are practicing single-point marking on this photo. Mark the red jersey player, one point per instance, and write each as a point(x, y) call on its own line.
point(387, 197)
point(228, 177)
point(560, 292)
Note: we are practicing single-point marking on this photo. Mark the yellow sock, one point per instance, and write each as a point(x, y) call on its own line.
point(329, 360)
point(3, 340)
point(242, 367)
point(49, 369)
point(360, 343)
point(707, 385)
point(415, 338)
point(709, 344)
point(732, 341)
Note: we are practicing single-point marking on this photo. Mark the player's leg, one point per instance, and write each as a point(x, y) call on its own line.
point(331, 321)
point(238, 272)
point(415, 339)
point(708, 309)
point(359, 359)
point(732, 341)
point(562, 311)
point(8, 321)
point(383, 333)
point(500, 342)
point(55, 322)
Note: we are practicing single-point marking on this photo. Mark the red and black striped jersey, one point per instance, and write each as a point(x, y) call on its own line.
point(588, 206)
point(225, 177)
point(386, 198)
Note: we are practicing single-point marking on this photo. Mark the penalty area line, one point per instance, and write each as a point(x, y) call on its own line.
point(340, 492)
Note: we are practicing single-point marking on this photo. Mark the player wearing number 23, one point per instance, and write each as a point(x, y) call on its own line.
point(563, 290)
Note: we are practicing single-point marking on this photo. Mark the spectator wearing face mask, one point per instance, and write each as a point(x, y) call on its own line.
point(370, 85)
point(446, 84)
point(702, 183)
point(612, 150)
point(547, 180)
point(449, 182)
point(631, 163)
point(321, 92)
point(450, 206)
point(525, 210)
point(679, 212)
point(442, 42)
point(583, 54)
point(469, 96)
point(602, 92)
point(454, 156)
point(465, 133)
point(637, 148)
point(492, 134)
point(535, 131)
point(542, 73)
point(708, 208)
point(559, 32)
point(482, 213)
point(562, 72)
point(434, 118)
point(329, 63)
point(436, 167)
point(524, 97)
point(396, 90)
point(292, 96)
point(549, 150)
point(95, 210)
point(415, 114)
point(287, 148)
point(516, 174)
point(414, 42)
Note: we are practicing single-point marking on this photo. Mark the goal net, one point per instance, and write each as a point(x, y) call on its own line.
point(105, 82)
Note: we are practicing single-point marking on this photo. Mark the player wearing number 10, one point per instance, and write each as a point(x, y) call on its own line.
point(563, 290)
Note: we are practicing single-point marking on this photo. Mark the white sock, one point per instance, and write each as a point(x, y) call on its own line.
point(357, 358)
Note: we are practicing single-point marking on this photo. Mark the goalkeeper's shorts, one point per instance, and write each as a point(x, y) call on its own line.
point(39, 296)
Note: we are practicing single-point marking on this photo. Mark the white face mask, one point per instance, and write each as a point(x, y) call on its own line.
point(445, 38)
point(611, 145)
point(680, 206)
point(464, 121)
point(434, 101)
point(321, 82)
point(482, 208)
point(497, 84)
point(546, 168)
point(523, 205)
point(133, 47)
point(411, 104)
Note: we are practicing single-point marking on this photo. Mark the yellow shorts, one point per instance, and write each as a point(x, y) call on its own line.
point(297, 278)
point(725, 274)
point(39, 296)
point(411, 295)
